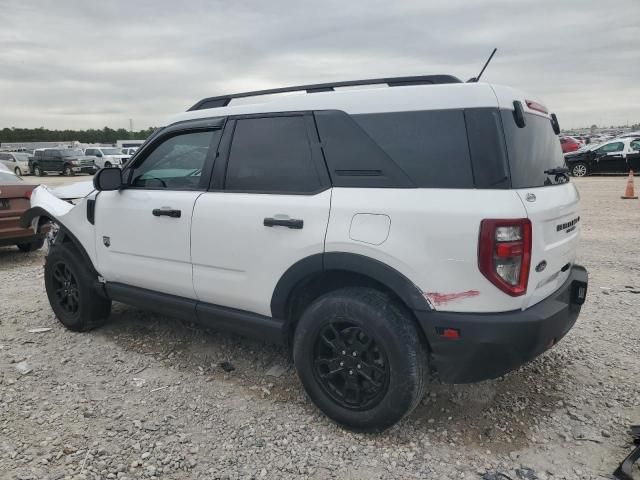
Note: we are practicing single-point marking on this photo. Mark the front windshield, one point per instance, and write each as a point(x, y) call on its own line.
point(111, 151)
point(21, 157)
point(72, 153)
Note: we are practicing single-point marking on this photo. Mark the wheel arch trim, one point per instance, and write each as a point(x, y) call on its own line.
point(317, 264)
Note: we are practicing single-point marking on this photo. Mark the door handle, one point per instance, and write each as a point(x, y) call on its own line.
point(166, 212)
point(284, 222)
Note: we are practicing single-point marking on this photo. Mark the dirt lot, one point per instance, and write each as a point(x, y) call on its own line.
point(146, 396)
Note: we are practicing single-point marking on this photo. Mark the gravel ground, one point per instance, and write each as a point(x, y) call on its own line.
point(151, 397)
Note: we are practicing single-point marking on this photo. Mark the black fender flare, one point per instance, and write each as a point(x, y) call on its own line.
point(63, 233)
point(320, 263)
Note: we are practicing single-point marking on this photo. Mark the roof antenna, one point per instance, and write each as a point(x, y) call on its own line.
point(477, 79)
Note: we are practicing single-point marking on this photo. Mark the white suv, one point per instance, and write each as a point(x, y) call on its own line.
point(107, 157)
point(384, 233)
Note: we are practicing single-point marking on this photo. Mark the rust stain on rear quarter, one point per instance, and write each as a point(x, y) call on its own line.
point(441, 298)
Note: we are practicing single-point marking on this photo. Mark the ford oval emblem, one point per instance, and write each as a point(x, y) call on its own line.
point(541, 266)
point(530, 197)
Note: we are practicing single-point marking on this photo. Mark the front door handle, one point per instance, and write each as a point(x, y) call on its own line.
point(284, 222)
point(166, 212)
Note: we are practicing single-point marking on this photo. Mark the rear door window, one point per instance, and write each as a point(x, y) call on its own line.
point(272, 155)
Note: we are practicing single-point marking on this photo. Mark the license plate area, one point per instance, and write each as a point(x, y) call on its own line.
point(4, 204)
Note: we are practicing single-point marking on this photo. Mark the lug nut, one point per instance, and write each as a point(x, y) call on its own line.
point(343, 352)
point(355, 354)
point(342, 364)
point(350, 372)
point(359, 366)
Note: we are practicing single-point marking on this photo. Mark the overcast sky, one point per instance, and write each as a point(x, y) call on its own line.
point(87, 64)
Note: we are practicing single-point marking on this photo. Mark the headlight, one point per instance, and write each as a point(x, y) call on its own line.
point(74, 162)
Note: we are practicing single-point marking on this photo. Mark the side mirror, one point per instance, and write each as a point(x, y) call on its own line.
point(108, 179)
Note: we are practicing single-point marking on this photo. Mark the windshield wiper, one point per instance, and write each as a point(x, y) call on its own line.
point(561, 174)
point(557, 171)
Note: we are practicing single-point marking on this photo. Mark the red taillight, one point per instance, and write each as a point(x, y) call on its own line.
point(27, 194)
point(504, 254)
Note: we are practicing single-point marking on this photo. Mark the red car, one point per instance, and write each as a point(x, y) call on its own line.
point(569, 144)
point(14, 200)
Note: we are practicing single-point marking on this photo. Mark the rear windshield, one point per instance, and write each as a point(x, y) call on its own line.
point(532, 150)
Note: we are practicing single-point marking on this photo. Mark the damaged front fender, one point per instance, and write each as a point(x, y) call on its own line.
point(72, 219)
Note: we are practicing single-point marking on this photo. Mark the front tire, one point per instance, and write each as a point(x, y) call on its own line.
point(38, 171)
point(18, 172)
point(31, 246)
point(360, 359)
point(107, 165)
point(68, 171)
point(71, 291)
point(579, 170)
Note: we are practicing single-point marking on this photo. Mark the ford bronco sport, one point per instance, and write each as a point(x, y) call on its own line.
point(408, 227)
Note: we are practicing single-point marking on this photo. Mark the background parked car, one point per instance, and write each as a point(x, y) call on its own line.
point(17, 162)
point(14, 200)
point(106, 157)
point(615, 156)
point(129, 150)
point(66, 161)
point(569, 144)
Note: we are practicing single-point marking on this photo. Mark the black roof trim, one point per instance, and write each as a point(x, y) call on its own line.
point(223, 100)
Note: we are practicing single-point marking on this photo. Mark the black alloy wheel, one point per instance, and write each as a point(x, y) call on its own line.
point(350, 366)
point(66, 289)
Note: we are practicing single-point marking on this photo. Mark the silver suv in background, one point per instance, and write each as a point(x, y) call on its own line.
point(107, 157)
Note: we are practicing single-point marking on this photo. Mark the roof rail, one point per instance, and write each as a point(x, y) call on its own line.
point(223, 100)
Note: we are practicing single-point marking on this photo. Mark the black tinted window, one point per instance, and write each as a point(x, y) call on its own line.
point(430, 146)
point(271, 155)
point(486, 144)
point(532, 150)
point(176, 163)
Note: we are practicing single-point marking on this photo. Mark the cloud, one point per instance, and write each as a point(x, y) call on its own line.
point(78, 64)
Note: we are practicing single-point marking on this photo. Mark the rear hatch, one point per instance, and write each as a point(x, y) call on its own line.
point(550, 200)
point(14, 200)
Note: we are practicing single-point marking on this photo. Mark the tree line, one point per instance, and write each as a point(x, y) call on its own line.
point(105, 135)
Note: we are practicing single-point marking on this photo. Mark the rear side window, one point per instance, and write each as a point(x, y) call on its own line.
point(429, 146)
point(532, 150)
point(271, 154)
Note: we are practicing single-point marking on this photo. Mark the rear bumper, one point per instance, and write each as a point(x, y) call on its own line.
point(492, 344)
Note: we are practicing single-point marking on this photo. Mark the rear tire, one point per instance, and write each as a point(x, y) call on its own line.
point(360, 359)
point(38, 171)
point(107, 165)
point(31, 246)
point(579, 170)
point(71, 291)
point(18, 172)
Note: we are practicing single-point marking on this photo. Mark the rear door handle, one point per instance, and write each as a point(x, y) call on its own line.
point(284, 222)
point(166, 212)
